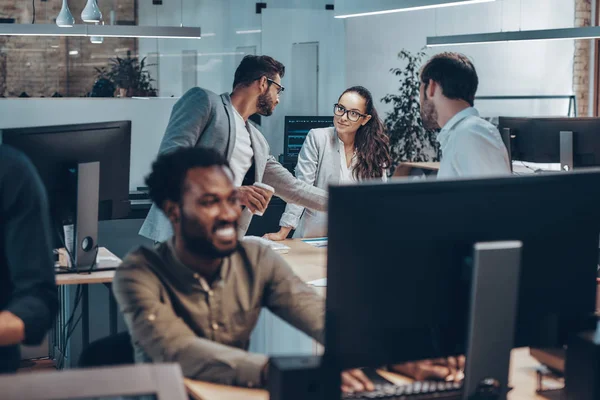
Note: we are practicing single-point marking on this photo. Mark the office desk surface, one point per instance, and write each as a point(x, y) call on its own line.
point(523, 379)
point(106, 259)
point(307, 261)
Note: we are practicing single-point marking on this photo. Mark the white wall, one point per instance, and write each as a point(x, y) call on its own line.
point(148, 118)
point(518, 68)
point(283, 27)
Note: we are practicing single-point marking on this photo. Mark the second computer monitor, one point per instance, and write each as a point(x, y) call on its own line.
point(538, 140)
point(400, 261)
point(296, 129)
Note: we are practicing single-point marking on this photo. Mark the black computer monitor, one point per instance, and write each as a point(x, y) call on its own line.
point(538, 140)
point(400, 262)
point(296, 129)
point(57, 150)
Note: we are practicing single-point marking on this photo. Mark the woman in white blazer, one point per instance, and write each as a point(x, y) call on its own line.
point(355, 149)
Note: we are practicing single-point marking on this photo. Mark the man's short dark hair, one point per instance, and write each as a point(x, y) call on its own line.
point(455, 73)
point(255, 67)
point(165, 182)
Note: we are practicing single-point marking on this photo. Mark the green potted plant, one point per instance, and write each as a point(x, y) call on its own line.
point(130, 76)
point(409, 140)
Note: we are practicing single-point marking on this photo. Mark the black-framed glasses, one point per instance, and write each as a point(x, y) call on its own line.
point(353, 116)
point(279, 87)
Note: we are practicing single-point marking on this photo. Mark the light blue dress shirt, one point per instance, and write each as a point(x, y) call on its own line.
point(471, 147)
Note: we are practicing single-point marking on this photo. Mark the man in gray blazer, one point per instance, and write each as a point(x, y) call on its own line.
point(204, 119)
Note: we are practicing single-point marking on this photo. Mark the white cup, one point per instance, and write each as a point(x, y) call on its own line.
point(266, 187)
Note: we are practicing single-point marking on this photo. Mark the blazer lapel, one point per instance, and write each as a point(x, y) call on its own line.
point(336, 157)
point(229, 111)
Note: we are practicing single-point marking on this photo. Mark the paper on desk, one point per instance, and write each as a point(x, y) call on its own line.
point(106, 258)
point(319, 282)
point(276, 246)
point(316, 242)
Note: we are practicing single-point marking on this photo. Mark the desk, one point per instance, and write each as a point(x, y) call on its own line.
point(405, 168)
point(522, 378)
point(105, 259)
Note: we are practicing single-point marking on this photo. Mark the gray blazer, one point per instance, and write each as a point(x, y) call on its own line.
point(203, 118)
point(319, 164)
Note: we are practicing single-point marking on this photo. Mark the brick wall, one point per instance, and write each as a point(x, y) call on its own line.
point(581, 59)
point(42, 66)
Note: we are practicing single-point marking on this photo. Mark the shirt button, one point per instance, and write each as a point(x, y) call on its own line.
point(215, 326)
point(210, 293)
point(151, 317)
point(196, 276)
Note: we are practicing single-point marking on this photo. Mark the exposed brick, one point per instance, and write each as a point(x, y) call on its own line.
point(581, 58)
point(32, 65)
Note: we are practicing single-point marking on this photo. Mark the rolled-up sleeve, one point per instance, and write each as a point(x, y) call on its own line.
point(164, 337)
point(291, 299)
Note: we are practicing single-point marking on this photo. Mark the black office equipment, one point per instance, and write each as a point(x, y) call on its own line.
point(399, 270)
point(583, 366)
point(85, 169)
point(296, 129)
point(572, 142)
point(295, 378)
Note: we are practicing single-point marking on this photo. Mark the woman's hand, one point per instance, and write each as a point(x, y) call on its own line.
point(283, 233)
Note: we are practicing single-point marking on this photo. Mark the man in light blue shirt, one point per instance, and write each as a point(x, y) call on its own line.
point(471, 146)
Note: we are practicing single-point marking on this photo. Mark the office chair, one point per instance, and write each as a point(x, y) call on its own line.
point(111, 350)
point(157, 381)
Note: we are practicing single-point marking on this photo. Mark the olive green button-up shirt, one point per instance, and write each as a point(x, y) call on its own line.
point(174, 315)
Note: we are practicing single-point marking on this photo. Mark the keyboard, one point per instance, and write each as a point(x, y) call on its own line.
point(414, 391)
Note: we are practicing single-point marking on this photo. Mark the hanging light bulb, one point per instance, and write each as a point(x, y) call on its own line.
point(65, 18)
point(91, 12)
point(97, 39)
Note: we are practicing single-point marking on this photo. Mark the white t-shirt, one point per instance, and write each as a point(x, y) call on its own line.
point(241, 158)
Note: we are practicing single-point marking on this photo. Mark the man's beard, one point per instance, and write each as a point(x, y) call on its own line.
point(429, 115)
point(198, 244)
point(265, 104)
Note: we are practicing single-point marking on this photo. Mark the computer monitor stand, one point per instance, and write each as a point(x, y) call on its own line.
point(491, 329)
point(506, 135)
point(566, 151)
point(85, 241)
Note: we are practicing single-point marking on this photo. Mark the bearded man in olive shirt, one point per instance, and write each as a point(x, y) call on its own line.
point(196, 298)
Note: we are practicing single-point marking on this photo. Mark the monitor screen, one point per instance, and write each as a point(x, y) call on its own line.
point(56, 151)
point(400, 262)
point(296, 129)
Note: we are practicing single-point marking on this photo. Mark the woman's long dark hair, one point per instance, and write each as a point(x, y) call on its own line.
point(371, 143)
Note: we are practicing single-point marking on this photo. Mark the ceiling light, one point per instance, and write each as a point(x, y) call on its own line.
point(587, 32)
point(159, 32)
point(97, 39)
point(65, 18)
point(361, 8)
point(91, 12)
point(73, 52)
point(248, 31)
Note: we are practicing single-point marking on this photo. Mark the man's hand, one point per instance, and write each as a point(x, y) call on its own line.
point(354, 380)
point(12, 329)
point(445, 369)
point(283, 233)
point(254, 197)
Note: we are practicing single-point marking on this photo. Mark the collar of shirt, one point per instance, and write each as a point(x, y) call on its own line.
point(444, 134)
point(186, 275)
